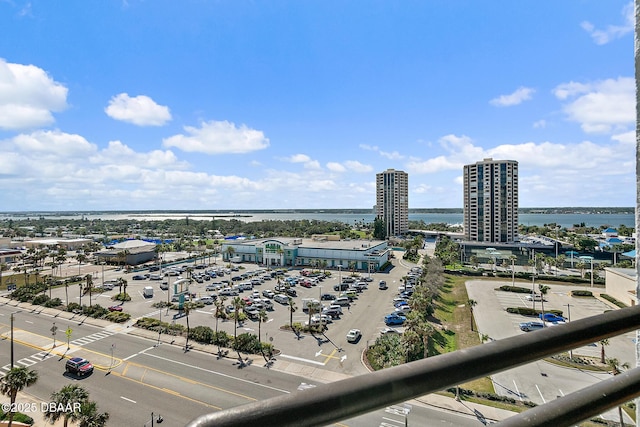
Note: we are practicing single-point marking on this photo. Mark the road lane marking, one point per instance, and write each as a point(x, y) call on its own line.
point(254, 384)
point(315, 362)
point(517, 391)
point(127, 399)
point(540, 393)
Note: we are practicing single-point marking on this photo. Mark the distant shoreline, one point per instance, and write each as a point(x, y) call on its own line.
point(248, 212)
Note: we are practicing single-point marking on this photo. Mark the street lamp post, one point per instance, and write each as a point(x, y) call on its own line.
point(569, 319)
point(12, 340)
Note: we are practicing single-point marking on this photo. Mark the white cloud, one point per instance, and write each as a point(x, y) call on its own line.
point(394, 155)
point(600, 106)
point(520, 95)
point(540, 124)
point(299, 158)
point(139, 110)
point(336, 167)
point(218, 137)
point(28, 97)
point(612, 32)
point(356, 166)
point(307, 161)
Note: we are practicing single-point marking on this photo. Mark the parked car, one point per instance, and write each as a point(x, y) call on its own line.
point(164, 286)
point(394, 319)
point(281, 298)
point(341, 287)
point(551, 318)
point(268, 293)
point(207, 300)
point(291, 292)
point(327, 297)
point(534, 297)
point(115, 308)
point(229, 292)
point(382, 285)
point(343, 301)
point(531, 326)
point(403, 309)
point(354, 335)
point(79, 366)
point(386, 331)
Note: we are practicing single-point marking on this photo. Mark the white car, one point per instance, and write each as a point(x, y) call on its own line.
point(533, 297)
point(354, 335)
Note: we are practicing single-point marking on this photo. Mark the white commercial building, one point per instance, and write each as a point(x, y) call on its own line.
point(366, 255)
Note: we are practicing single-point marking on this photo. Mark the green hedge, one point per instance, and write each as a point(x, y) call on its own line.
point(518, 289)
point(613, 300)
point(527, 311)
point(581, 293)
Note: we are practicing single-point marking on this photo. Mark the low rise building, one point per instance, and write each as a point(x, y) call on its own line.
point(367, 255)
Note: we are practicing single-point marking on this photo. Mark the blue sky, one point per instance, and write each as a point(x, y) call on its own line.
point(298, 104)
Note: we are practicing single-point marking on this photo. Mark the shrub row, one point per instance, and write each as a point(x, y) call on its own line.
point(581, 293)
point(489, 396)
point(613, 300)
point(527, 311)
point(518, 289)
point(96, 311)
point(245, 342)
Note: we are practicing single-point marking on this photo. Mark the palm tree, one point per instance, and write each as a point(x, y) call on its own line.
point(543, 291)
point(262, 317)
point(472, 303)
point(80, 258)
point(616, 369)
point(68, 398)
point(230, 251)
point(89, 280)
point(17, 379)
point(90, 417)
point(603, 343)
point(187, 308)
point(3, 267)
point(292, 309)
point(219, 310)
point(581, 266)
point(238, 303)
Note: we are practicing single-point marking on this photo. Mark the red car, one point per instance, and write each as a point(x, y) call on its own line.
point(306, 284)
point(115, 308)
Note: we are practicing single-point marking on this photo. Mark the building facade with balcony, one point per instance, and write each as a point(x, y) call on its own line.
point(491, 201)
point(392, 201)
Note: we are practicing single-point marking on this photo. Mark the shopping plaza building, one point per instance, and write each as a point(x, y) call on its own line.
point(318, 251)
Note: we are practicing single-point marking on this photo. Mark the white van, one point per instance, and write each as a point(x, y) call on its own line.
point(147, 292)
point(281, 298)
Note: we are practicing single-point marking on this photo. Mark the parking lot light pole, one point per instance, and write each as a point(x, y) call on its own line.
point(12, 340)
point(569, 319)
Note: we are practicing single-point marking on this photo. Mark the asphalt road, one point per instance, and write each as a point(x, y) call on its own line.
point(135, 377)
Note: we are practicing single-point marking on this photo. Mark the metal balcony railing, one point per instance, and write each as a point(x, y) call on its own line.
point(329, 403)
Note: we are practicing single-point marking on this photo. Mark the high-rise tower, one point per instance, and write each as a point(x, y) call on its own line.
point(491, 201)
point(392, 201)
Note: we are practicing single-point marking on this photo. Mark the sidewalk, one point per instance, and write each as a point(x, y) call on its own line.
point(312, 373)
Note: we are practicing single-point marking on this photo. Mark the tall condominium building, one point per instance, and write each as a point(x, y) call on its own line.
point(491, 201)
point(392, 201)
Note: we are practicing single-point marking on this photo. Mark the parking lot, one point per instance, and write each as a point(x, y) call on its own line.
point(494, 321)
point(329, 350)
